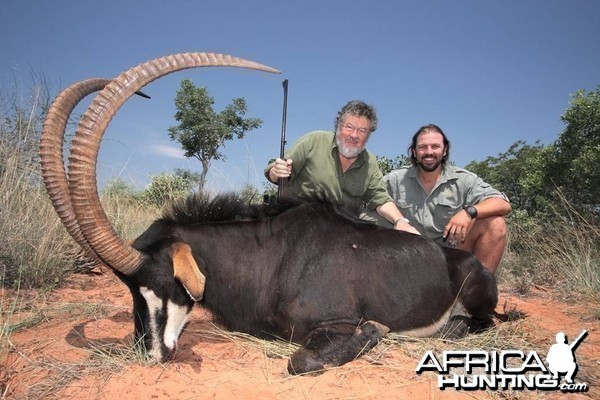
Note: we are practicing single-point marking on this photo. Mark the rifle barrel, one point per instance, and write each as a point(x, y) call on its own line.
point(579, 339)
point(282, 182)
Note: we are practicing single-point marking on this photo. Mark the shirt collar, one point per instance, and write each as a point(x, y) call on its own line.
point(448, 174)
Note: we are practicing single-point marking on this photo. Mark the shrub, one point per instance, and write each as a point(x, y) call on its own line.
point(166, 187)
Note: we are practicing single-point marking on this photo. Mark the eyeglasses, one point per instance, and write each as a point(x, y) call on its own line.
point(349, 128)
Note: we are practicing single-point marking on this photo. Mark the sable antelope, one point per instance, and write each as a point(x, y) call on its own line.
point(306, 273)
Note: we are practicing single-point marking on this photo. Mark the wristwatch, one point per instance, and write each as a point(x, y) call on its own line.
point(471, 210)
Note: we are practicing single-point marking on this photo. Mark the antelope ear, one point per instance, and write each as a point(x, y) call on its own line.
point(187, 271)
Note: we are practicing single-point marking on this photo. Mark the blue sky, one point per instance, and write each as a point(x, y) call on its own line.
point(488, 72)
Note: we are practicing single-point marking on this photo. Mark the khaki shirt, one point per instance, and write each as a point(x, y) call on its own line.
point(429, 214)
point(317, 174)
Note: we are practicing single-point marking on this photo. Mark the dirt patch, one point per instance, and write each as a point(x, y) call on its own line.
point(79, 346)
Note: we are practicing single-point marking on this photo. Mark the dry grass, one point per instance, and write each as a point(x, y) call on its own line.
point(564, 254)
point(35, 250)
point(278, 348)
point(394, 354)
point(129, 217)
point(53, 374)
point(513, 334)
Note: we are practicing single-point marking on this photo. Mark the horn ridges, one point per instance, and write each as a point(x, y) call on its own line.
point(51, 155)
point(85, 146)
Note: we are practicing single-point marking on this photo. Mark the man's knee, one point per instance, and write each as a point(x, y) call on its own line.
point(494, 227)
point(486, 233)
point(497, 225)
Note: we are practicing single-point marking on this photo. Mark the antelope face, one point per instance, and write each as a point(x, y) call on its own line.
point(161, 304)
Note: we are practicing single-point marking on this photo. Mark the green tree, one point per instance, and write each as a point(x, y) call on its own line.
point(201, 131)
point(518, 173)
point(573, 162)
point(250, 195)
point(167, 187)
point(187, 175)
point(269, 190)
point(539, 179)
point(120, 188)
point(386, 165)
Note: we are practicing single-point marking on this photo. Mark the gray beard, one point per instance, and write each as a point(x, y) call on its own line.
point(347, 151)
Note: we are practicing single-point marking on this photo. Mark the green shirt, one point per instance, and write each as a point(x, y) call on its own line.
point(429, 214)
point(317, 174)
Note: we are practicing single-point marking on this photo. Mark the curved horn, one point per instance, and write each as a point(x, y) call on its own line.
point(85, 146)
point(51, 155)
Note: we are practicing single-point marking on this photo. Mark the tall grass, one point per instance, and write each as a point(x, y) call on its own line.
point(563, 249)
point(129, 216)
point(34, 247)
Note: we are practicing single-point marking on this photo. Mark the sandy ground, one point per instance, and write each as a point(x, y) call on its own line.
point(64, 355)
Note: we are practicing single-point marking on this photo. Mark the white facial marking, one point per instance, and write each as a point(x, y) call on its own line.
point(154, 305)
point(177, 316)
point(176, 319)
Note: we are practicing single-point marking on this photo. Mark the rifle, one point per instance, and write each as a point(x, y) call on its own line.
point(282, 182)
point(576, 342)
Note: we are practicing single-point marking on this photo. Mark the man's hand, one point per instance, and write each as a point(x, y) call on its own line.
point(281, 169)
point(405, 226)
point(458, 227)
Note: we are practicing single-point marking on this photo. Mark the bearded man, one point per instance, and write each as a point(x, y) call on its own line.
point(335, 167)
point(450, 205)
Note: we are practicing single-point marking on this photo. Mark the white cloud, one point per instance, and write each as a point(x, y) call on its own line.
point(166, 150)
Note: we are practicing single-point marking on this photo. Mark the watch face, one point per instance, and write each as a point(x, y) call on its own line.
point(472, 211)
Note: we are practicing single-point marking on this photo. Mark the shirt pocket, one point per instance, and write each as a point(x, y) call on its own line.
point(407, 207)
point(444, 209)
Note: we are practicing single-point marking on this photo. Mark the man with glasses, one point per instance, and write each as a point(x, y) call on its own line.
point(335, 167)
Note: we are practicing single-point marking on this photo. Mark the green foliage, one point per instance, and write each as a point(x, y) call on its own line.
point(189, 176)
point(250, 195)
point(201, 131)
point(164, 188)
point(119, 188)
point(532, 175)
point(519, 173)
point(573, 163)
point(387, 165)
point(269, 189)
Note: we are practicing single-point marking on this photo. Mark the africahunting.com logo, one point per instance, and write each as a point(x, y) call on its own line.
point(507, 369)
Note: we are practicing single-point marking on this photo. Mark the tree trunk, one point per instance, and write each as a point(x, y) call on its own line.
point(203, 174)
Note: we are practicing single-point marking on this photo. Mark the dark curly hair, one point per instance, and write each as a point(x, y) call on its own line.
point(428, 128)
